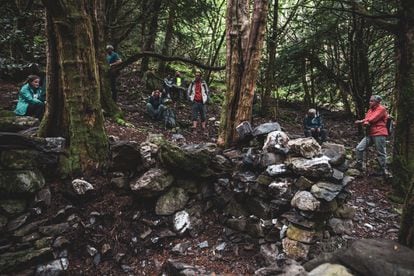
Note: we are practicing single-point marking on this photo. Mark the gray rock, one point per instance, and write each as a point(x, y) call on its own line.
point(269, 158)
point(303, 183)
point(238, 224)
point(276, 170)
point(279, 188)
point(174, 267)
point(148, 153)
point(335, 152)
point(330, 269)
point(12, 260)
point(13, 207)
point(29, 228)
point(326, 190)
point(81, 187)
point(44, 197)
point(125, 156)
point(276, 141)
point(301, 235)
point(55, 230)
point(21, 181)
point(269, 253)
point(346, 180)
point(316, 167)
point(306, 147)
point(181, 222)
point(171, 202)
point(17, 222)
point(258, 207)
point(337, 176)
point(341, 226)
point(14, 123)
point(244, 130)
point(181, 248)
point(345, 212)
point(296, 219)
point(203, 244)
point(305, 201)
point(60, 242)
point(294, 249)
point(266, 128)
point(178, 139)
point(152, 183)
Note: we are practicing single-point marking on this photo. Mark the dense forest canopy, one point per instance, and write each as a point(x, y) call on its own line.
point(324, 53)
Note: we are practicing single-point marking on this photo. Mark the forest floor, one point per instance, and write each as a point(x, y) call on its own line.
point(376, 216)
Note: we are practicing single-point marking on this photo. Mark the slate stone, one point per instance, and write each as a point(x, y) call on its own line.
point(316, 167)
point(301, 235)
point(335, 152)
point(330, 269)
point(172, 201)
point(17, 222)
point(21, 181)
point(305, 147)
point(294, 249)
point(81, 187)
point(152, 183)
point(16, 260)
point(55, 230)
point(13, 207)
point(304, 200)
point(303, 183)
point(266, 128)
point(326, 190)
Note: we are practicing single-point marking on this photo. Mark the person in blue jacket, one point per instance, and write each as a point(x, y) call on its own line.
point(31, 99)
point(313, 126)
point(112, 58)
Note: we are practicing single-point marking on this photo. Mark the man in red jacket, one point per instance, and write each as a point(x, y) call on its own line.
point(376, 121)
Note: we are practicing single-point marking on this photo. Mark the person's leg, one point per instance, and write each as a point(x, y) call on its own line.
point(322, 135)
point(380, 146)
point(151, 111)
point(307, 133)
point(360, 149)
point(160, 111)
point(112, 79)
point(203, 115)
point(35, 110)
point(194, 110)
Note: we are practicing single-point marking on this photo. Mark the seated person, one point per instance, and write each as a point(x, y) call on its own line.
point(31, 99)
point(313, 126)
point(155, 105)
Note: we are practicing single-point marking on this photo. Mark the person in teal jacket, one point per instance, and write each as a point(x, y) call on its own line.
point(31, 99)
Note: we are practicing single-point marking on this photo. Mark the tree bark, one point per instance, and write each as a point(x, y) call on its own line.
point(404, 135)
point(73, 84)
point(168, 35)
point(244, 44)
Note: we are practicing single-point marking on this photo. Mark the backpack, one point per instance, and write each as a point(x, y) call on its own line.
point(390, 125)
point(169, 118)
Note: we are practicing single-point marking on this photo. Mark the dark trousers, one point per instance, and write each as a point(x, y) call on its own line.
point(319, 136)
point(36, 110)
point(112, 79)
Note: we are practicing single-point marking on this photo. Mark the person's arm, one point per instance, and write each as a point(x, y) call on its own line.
point(117, 61)
point(27, 95)
point(376, 116)
point(190, 87)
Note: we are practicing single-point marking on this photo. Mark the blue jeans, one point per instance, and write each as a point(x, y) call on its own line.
point(380, 146)
point(155, 114)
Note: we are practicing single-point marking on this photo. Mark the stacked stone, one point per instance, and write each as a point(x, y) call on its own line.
point(294, 186)
point(25, 163)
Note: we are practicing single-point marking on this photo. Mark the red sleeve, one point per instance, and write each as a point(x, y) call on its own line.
point(375, 116)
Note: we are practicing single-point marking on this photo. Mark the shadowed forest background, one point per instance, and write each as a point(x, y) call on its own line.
point(264, 61)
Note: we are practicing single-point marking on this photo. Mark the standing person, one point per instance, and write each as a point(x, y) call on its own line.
point(155, 107)
point(31, 99)
point(112, 58)
point(375, 122)
point(178, 89)
point(313, 126)
point(198, 95)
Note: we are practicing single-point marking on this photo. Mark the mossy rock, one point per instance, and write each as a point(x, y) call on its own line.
point(17, 123)
point(21, 181)
point(18, 159)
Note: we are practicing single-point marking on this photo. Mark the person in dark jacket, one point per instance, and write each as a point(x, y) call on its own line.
point(313, 126)
point(112, 58)
point(155, 106)
point(31, 99)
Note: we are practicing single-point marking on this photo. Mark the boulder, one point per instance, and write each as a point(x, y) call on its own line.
point(335, 152)
point(81, 187)
point(171, 202)
point(305, 201)
point(244, 130)
point(330, 269)
point(294, 249)
point(326, 190)
point(306, 147)
point(14, 123)
point(189, 160)
point(266, 128)
point(125, 156)
point(276, 141)
point(21, 181)
point(152, 183)
point(316, 167)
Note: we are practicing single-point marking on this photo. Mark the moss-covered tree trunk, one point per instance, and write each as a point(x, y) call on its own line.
point(244, 37)
point(73, 84)
point(404, 136)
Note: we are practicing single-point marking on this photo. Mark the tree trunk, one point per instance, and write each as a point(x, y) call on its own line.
point(269, 74)
point(244, 44)
point(404, 136)
point(108, 104)
point(152, 33)
point(168, 36)
point(73, 85)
